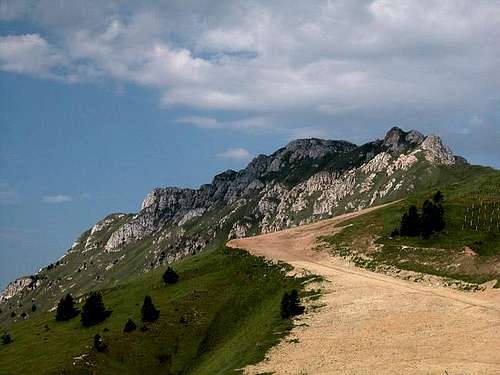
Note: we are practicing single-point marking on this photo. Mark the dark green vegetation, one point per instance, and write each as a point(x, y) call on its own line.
point(463, 250)
point(222, 314)
point(6, 339)
point(66, 309)
point(148, 311)
point(170, 276)
point(93, 311)
point(129, 326)
point(430, 221)
point(290, 305)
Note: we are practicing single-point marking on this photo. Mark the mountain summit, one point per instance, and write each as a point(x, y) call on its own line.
point(305, 181)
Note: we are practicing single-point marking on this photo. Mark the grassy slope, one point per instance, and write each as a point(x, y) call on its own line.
point(229, 299)
point(442, 254)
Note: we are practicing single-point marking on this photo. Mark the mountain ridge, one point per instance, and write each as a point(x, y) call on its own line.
point(307, 180)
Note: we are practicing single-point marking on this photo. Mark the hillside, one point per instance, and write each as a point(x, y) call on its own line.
point(306, 181)
point(222, 314)
point(372, 323)
point(468, 249)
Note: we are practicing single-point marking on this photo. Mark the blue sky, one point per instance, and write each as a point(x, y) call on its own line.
point(101, 102)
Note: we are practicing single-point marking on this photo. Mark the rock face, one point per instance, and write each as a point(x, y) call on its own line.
point(18, 286)
point(307, 180)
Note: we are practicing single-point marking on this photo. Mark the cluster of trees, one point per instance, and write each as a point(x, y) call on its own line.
point(423, 224)
point(290, 305)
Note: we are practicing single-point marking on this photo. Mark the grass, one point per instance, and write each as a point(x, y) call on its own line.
point(228, 299)
point(443, 253)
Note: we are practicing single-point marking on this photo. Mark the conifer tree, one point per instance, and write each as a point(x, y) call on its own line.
point(66, 309)
point(93, 311)
point(170, 276)
point(129, 326)
point(149, 311)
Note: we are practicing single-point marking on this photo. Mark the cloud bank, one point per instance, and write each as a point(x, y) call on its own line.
point(294, 64)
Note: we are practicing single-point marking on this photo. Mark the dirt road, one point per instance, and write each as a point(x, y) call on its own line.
point(375, 324)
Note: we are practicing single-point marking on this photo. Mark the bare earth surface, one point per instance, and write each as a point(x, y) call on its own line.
point(375, 324)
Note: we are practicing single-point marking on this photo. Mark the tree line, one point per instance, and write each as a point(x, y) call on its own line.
point(430, 220)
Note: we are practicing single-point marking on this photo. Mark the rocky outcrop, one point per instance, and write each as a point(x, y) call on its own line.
point(18, 286)
point(436, 151)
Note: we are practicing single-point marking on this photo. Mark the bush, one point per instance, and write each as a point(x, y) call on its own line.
point(94, 311)
point(6, 339)
point(290, 305)
point(149, 311)
point(66, 309)
point(170, 276)
point(99, 344)
point(129, 326)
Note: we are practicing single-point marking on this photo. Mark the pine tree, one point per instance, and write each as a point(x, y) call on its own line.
point(410, 223)
point(94, 311)
point(129, 326)
point(170, 276)
point(149, 311)
point(66, 309)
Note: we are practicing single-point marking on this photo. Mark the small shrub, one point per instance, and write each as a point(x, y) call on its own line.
point(99, 344)
point(6, 339)
point(129, 326)
point(170, 276)
point(149, 311)
point(290, 305)
point(94, 311)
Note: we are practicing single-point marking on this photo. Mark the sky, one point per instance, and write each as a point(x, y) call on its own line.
point(101, 101)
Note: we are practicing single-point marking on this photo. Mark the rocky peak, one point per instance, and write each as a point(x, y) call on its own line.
point(397, 141)
point(437, 152)
point(315, 148)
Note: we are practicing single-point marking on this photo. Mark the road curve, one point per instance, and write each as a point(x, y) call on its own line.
point(372, 323)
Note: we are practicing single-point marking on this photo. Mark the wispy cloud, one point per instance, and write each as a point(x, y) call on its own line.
point(236, 154)
point(249, 123)
point(8, 195)
point(58, 198)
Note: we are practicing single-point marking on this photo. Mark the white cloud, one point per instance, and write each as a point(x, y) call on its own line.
point(236, 154)
point(28, 53)
point(55, 199)
point(250, 123)
point(270, 60)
